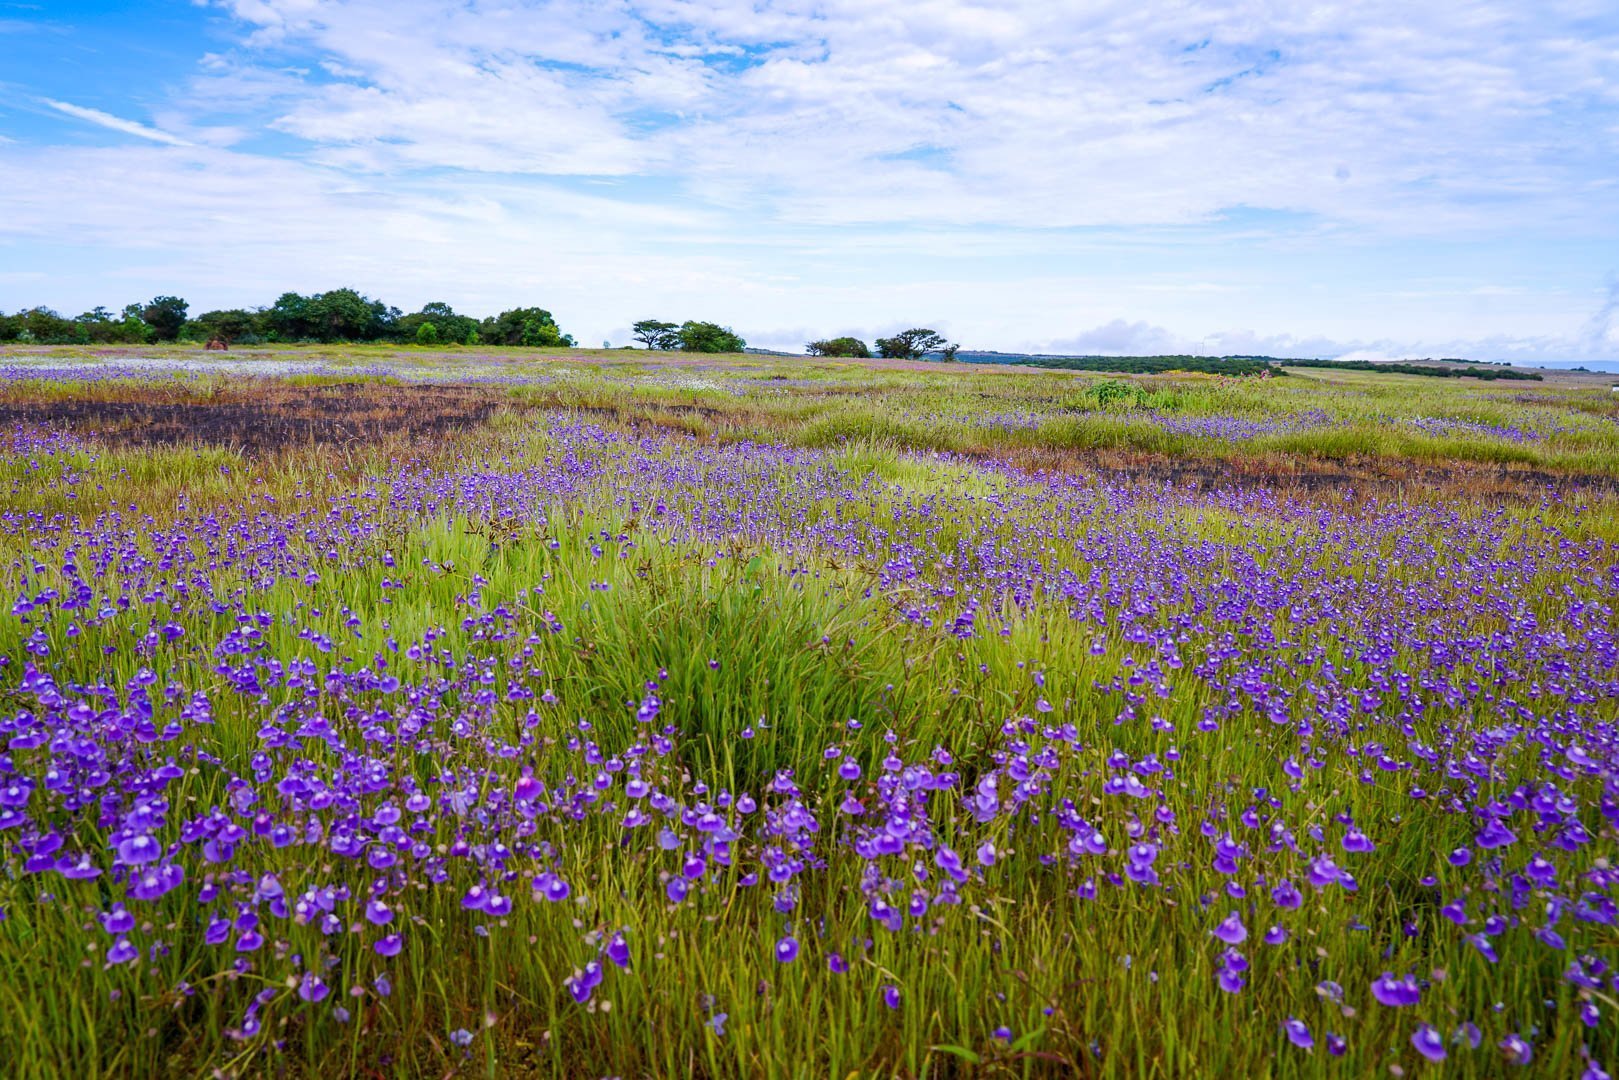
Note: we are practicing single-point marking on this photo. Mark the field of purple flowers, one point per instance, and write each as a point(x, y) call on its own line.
point(565, 746)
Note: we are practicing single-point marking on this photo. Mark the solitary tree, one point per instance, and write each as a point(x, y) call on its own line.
point(427, 334)
point(656, 334)
point(910, 344)
point(707, 337)
point(842, 346)
point(165, 315)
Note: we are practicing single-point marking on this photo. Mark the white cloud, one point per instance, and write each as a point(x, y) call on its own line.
point(115, 123)
point(1427, 118)
point(1012, 172)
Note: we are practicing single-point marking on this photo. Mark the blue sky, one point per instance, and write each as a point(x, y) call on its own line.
point(1367, 179)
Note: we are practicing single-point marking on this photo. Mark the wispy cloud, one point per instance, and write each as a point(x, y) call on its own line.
point(1376, 175)
point(1602, 332)
point(1430, 119)
point(115, 123)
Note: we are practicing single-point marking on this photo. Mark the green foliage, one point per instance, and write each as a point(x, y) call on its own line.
point(229, 326)
point(427, 334)
point(41, 325)
point(910, 344)
point(447, 325)
point(842, 346)
point(1433, 371)
point(99, 327)
point(531, 327)
point(338, 315)
point(1113, 394)
point(165, 315)
point(657, 334)
point(1143, 365)
point(542, 335)
point(707, 337)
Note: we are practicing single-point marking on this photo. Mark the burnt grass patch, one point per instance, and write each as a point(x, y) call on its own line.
point(264, 419)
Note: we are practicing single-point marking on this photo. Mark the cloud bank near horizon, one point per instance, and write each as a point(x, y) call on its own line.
point(1105, 177)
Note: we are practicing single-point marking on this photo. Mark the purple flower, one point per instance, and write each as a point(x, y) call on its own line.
point(122, 952)
point(1396, 993)
point(1298, 1033)
point(139, 849)
point(1515, 1050)
point(551, 887)
point(1231, 931)
point(118, 920)
point(581, 984)
point(1429, 1043)
point(618, 950)
point(787, 950)
point(389, 946)
point(891, 996)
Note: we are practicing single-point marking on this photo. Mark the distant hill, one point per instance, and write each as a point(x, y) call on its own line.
point(1447, 367)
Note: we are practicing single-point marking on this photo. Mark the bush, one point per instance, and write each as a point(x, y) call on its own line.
point(910, 344)
point(707, 337)
point(427, 334)
point(842, 346)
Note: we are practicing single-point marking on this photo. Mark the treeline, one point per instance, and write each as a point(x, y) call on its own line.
point(339, 315)
point(1138, 365)
point(1249, 365)
point(1473, 370)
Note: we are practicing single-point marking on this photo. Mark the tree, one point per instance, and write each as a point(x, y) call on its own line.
point(98, 326)
point(447, 325)
point(655, 334)
point(541, 335)
point(707, 337)
point(229, 326)
point(165, 315)
point(948, 353)
point(427, 334)
point(534, 327)
point(42, 326)
point(842, 346)
point(346, 315)
point(288, 317)
point(909, 344)
point(336, 315)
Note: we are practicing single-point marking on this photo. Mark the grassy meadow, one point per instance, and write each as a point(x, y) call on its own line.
point(410, 712)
